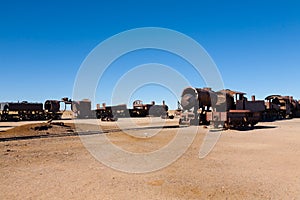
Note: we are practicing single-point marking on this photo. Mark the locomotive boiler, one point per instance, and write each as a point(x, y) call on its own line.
point(196, 103)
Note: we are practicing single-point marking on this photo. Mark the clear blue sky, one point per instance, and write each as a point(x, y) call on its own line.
point(255, 44)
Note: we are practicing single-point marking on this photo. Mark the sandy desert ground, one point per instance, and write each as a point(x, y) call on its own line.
point(53, 163)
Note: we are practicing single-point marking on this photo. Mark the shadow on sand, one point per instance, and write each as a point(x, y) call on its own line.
point(253, 128)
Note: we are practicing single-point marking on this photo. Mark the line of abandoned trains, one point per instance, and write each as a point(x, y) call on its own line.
point(198, 106)
point(52, 109)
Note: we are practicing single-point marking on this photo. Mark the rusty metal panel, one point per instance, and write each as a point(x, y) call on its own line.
point(209, 116)
point(216, 116)
point(254, 106)
point(223, 116)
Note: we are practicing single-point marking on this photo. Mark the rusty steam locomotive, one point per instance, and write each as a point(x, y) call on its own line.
point(227, 108)
point(17, 111)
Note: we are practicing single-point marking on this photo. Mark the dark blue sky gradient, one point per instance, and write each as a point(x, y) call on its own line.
point(255, 44)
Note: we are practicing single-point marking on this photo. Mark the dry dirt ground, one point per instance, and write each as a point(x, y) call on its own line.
point(52, 163)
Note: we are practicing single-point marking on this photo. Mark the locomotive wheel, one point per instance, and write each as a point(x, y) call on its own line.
point(216, 125)
point(184, 122)
point(3, 118)
point(226, 126)
point(115, 119)
point(194, 122)
point(171, 117)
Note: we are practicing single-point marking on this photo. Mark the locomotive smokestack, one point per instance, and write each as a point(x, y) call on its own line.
point(103, 105)
point(253, 97)
point(153, 102)
point(163, 103)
